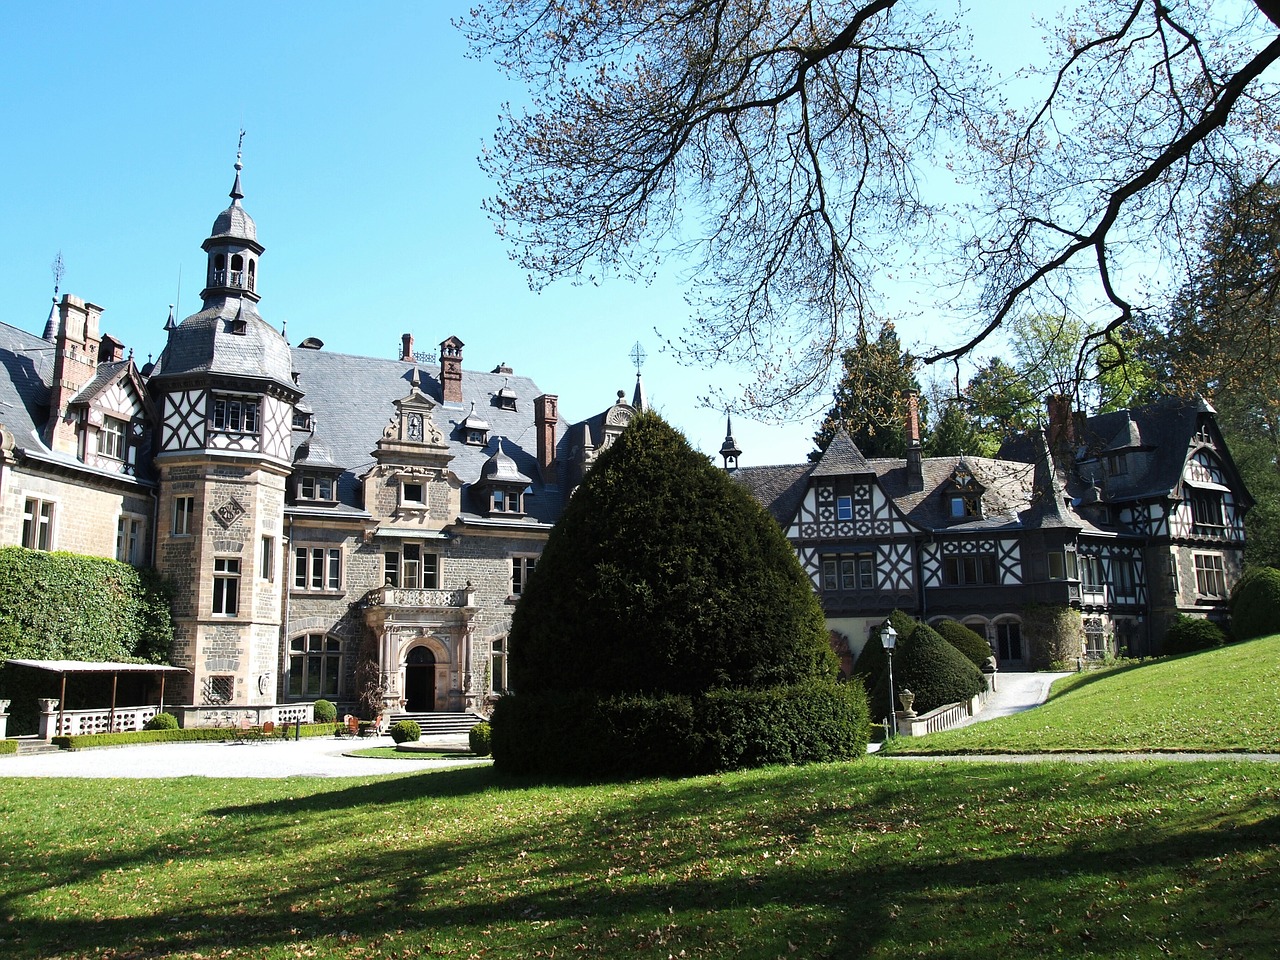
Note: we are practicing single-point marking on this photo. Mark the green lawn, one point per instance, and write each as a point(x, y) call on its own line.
point(878, 858)
point(882, 857)
point(1218, 700)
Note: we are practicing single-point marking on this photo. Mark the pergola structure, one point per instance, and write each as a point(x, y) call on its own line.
point(65, 667)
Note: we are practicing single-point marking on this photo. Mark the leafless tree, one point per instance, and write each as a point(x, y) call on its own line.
point(801, 158)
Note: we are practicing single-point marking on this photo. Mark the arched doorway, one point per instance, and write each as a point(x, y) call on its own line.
point(420, 680)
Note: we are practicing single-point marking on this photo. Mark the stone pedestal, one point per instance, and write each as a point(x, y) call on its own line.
point(48, 718)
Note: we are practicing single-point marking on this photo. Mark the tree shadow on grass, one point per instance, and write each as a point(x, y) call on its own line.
point(852, 861)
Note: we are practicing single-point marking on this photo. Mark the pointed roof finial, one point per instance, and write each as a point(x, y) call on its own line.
point(172, 323)
point(236, 193)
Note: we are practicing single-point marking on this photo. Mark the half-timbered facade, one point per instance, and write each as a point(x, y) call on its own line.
point(1128, 518)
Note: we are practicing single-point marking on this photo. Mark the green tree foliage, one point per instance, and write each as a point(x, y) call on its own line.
point(1255, 604)
point(955, 434)
point(1003, 405)
point(60, 606)
point(662, 578)
point(870, 400)
point(1186, 634)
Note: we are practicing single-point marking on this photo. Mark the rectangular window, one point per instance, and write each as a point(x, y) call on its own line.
point(235, 415)
point(37, 525)
point(1062, 566)
point(411, 567)
point(219, 689)
point(1211, 577)
point(111, 438)
point(1206, 512)
point(226, 586)
point(315, 487)
point(1091, 573)
point(391, 568)
point(971, 570)
point(849, 572)
point(844, 508)
point(129, 540)
point(521, 567)
point(1123, 576)
point(267, 560)
point(412, 493)
point(183, 511)
point(315, 666)
point(317, 568)
point(498, 671)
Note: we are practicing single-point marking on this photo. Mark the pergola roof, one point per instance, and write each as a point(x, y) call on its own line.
point(90, 666)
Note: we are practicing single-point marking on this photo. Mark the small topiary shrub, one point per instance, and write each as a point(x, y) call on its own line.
point(406, 730)
point(1193, 633)
point(480, 738)
point(324, 712)
point(966, 641)
point(873, 661)
point(1255, 604)
point(162, 721)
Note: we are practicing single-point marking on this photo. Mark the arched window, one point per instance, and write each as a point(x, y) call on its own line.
point(218, 276)
point(251, 273)
point(237, 271)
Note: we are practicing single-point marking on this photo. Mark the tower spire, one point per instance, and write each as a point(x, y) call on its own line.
point(236, 193)
point(729, 449)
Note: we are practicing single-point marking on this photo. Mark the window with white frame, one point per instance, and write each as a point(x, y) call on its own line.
point(184, 508)
point(37, 524)
point(235, 415)
point(267, 559)
point(521, 568)
point(1062, 565)
point(130, 538)
point(411, 567)
point(315, 486)
point(973, 569)
point(226, 586)
point(315, 665)
point(844, 508)
point(317, 568)
point(413, 493)
point(111, 438)
point(1091, 573)
point(1211, 575)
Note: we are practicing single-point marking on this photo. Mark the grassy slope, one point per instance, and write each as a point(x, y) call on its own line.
point(1218, 700)
point(872, 859)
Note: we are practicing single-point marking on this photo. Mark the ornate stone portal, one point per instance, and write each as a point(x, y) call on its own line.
point(424, 647)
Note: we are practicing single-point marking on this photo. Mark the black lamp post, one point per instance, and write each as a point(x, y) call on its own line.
point(889, 638)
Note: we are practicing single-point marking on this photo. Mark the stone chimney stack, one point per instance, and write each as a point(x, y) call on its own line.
point(451, 369)
point(546, 416)
point(406, 347)
point(915, 452)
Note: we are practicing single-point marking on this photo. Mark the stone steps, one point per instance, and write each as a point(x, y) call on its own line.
point(438, 724)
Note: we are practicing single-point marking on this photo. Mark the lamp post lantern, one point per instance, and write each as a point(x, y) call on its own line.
point(889, 639)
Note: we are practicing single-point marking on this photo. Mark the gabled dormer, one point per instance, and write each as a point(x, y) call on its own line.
point(474, 429)
point(962, 495)
point(314, 481)
point(505, 398)
point(112, 417)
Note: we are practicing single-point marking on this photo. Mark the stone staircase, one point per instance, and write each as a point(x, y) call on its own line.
point(439, 724)
point(30, 746)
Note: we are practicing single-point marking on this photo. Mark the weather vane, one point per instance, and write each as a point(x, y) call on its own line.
point(637, 356)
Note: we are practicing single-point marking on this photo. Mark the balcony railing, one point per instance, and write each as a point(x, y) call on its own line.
point(416, 597)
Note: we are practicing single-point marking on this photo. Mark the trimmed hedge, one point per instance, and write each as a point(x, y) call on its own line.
point(936, 672)
point(577, 734)
point(966, 641)
point(1192, 633)
point(8, 746)
point(1255, 604)
point(183, 735)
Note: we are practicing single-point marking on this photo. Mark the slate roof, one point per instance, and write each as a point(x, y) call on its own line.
point(353, 398)
point(780, 488)
point(205, 344)
point(24, 388)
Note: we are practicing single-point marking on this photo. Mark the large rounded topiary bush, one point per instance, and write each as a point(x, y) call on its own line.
point(1255, 604)
point(966, 641)
point(663, 581)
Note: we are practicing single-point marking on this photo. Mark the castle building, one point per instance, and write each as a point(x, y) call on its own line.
point(1129, 518)
point(360, 528)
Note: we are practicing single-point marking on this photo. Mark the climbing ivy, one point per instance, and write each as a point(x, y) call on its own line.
point(61, 606)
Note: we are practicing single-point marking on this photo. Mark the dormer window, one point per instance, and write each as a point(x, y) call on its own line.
point(506, 501)
point(238, 325)
point(1118, 464)
point(474, 430)
point(302, 420)
point(412, 494)
point(315, 486)
point(111, 439)
point(505, 399)
point(964, 499)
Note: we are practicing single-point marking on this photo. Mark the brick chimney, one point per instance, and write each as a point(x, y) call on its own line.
point(546, 416)
point(406, 348)
point(451, 369)
point(1061, 423)
point(75, 361)
point(915, 453)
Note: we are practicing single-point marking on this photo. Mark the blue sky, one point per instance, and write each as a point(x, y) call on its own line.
point(363, 126)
